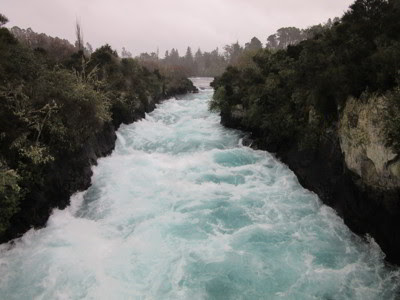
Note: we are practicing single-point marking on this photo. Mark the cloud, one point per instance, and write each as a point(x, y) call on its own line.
point(145, 25)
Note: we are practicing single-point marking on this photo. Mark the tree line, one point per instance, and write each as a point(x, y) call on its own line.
point(54, 98)
point(292, 92)
point(214, 63)
point(191, 63)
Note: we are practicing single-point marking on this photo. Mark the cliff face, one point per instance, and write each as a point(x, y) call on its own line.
point(351, 170)
point(361, 133)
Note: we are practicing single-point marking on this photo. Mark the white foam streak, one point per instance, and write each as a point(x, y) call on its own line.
point(182, 210)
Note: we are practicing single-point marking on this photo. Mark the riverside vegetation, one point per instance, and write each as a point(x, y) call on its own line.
point(61, 103)
point(357, 57)
point(329, 107)
point(325, 99)
point(59, 108)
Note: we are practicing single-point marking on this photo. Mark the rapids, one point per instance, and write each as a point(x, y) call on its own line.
point(182, 210)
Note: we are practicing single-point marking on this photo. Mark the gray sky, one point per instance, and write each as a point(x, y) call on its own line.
point(144, 25)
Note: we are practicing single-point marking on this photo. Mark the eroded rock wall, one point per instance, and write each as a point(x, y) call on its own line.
point(351, 169)
point(363, 142)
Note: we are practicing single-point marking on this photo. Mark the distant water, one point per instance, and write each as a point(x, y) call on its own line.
point(181, 210)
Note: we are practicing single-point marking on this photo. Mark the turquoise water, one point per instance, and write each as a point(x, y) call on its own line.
point(181, 210)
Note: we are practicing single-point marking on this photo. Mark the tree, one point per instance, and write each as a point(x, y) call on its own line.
point(198, 54)
point(103, 56)
point(255, 44)
point(51, 112)
point(79, 36)
point(56, 49)
point(125, 53)
point(232, 52)
point(189, 61)
point(289, 36)
point(89, 49)
point(10, 195)
point(189, 55)
point(3, 20)
point(174, 56)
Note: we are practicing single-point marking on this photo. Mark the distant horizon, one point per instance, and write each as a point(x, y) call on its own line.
point(160, 54)
point(177, 24)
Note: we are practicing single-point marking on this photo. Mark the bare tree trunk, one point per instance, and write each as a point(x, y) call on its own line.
point(79, 35)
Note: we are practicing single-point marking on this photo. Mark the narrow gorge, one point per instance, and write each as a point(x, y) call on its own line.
point(181, 209)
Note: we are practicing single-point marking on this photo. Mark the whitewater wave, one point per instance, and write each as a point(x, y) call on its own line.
point(182, 210)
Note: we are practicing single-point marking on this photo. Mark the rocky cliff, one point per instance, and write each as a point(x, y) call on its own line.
point(351, 169)
point(363, 143)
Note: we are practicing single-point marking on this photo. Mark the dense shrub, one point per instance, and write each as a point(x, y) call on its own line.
point(49, 111)
point(10, 195)
point(359, 53)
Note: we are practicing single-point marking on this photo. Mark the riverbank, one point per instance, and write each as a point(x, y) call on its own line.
point(365, 209)
point(59, 111)
point(182, 210)
point(329, 107)
point(69, 173)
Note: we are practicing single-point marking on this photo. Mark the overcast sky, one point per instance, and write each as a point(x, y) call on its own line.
point(144, 25)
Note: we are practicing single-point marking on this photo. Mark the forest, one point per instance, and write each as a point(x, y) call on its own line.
point(54, 98)
point(291, 94)
point(214, 63)
point(57, 99)
point(192, 63)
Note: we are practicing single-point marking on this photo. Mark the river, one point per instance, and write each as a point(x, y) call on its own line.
point(182, 210)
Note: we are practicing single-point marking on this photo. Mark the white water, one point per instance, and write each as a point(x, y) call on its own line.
point(181, 210)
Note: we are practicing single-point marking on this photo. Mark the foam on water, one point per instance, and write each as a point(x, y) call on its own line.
point(181, 210)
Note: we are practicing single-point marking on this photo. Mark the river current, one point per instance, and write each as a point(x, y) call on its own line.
point(182, 210)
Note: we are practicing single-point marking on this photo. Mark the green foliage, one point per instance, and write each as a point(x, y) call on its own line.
point(3, 20)
point(219, 100)
point(178, 86)
point(49, 111)
point(254, 45)
point(214, 63)
point(81, 110)
point(358, 53)
point(208, 64)
point(10, 195)
point(55, 50)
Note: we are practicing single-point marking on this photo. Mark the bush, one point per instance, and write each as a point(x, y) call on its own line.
point(357, 54)
point(10, 195)
point(49, 113)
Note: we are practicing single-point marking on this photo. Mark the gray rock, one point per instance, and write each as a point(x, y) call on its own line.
point(363, 142)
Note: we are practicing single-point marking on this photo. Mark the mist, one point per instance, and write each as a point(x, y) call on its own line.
point(145, 26)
